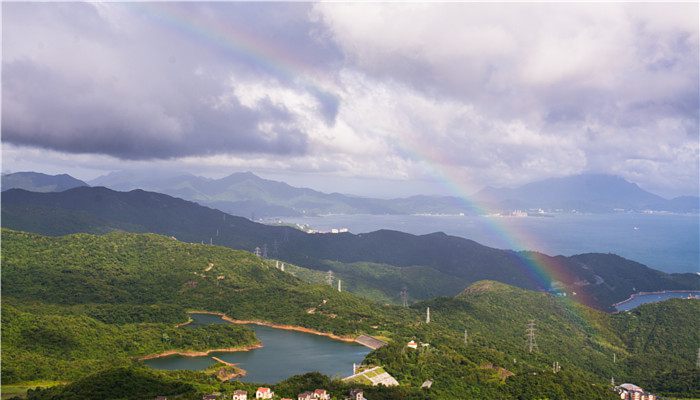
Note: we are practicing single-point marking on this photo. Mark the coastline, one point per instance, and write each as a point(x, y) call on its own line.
point(192, 353)
point(279, 326)
point(633, 295)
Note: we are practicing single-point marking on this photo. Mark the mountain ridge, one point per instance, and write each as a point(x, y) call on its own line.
point(38, 182)
point(246, 194)
point(101, 210)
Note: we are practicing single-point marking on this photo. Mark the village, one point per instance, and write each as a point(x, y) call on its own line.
point(267, 393)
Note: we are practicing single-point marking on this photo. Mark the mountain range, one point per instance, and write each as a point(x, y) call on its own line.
point(246, 194)
point(38, 182)
point(586, 192)
point(597, 279)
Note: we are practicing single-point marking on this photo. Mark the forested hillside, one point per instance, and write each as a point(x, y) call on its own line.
point(117, 296)
point(599, 279)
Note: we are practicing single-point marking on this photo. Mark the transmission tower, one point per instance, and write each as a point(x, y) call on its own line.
point(339, 287)
point(530, 334)
point(257, 251)
point(329, 278)
point(264, 250)
point(275, 248)
point(466, 337)
point(404, 296)
point(427, 315)
point(697, 362)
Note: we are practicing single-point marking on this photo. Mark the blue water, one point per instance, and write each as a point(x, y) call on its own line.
point(666, 242)
point(284, 353)
point(640, 299)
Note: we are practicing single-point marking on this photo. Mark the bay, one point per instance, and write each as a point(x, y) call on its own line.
point(667, 242)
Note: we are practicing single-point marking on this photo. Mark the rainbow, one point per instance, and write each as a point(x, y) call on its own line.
point(276, 60)
point(541, 269)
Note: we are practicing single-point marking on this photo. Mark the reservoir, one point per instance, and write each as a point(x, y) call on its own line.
point(284, 353)
point(639, 299)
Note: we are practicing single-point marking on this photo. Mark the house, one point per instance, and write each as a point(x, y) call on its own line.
point(412, 344)
point(321, 394)
point(357, 394)
point(628, 391)
point(210, 397)
point(306, 396)
point(240, 395)
point(264, 393)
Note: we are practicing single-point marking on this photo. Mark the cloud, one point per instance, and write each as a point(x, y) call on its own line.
point(479, 93)
point(119, 84)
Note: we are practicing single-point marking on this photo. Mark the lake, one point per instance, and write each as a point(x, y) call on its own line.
point(639, 299)
point(667, 242)
point(284, 353)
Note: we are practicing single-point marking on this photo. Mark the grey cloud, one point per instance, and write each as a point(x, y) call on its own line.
point(48, 110)
point(125, 82)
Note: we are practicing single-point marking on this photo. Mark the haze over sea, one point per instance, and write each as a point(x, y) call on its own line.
point(667, 242)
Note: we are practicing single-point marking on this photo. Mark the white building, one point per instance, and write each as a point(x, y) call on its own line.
point(264, 393)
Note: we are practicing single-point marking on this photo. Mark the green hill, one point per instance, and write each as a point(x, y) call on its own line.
point(67, 347)
point(600, 279)
point(79, 303)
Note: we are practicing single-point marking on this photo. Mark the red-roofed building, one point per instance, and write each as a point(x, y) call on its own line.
point(264, 393)
point(321, 394)
point(306, 396)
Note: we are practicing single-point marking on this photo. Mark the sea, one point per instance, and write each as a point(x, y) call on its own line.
point(666, 242)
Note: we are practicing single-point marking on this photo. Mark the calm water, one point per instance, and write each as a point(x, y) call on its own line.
point(284, 353)
point(670, 243)
point(638, 300)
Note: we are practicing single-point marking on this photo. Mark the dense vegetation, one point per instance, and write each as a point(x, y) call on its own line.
point(383, 283)
point(66, 347)
point(100, 210)
point(77, 304)
point(189, 385)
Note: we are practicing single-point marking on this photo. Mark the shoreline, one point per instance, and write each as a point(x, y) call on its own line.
point(658, 292)
point(279, 326)
point(192, 353)
point(237, 373)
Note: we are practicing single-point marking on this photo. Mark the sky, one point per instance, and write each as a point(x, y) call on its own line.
point(370, 99)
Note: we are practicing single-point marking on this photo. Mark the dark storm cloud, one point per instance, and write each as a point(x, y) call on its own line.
point(126, 81)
